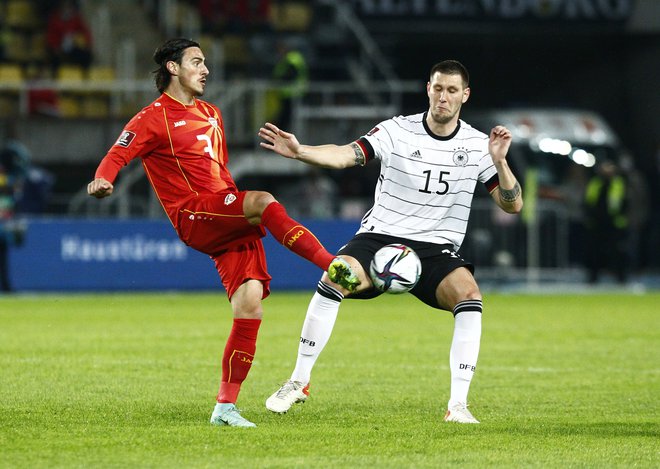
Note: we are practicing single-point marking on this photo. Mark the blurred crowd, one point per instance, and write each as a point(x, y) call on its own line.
point(40, 36)
point(24, 190)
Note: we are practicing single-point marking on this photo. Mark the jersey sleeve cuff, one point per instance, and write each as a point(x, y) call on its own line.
point(492, 183)
point(367, 149)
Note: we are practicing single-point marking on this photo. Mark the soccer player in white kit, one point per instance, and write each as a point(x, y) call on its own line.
point(430, 165)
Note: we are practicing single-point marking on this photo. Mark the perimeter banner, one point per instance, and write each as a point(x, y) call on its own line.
point(544, 10)
point(116, 255)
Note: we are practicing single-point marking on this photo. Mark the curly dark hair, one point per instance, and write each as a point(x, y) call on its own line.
point(172, 49)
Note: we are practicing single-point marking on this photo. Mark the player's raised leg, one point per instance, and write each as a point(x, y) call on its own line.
point(262, 207)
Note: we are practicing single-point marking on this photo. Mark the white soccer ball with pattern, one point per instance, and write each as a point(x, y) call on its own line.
point(395, 268)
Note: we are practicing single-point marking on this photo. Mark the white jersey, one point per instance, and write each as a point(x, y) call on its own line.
point(426, 183)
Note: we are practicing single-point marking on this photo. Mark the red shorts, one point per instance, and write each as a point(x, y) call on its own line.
point(212, 223)
point(216, 225)
point(242, 263)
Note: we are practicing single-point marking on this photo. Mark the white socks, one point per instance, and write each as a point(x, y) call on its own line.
point(317, 328)
point(464, 348)
point(322, 314)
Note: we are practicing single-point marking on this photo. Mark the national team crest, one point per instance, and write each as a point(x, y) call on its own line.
point(229, 199)
point(214, 122)
point(460, 157)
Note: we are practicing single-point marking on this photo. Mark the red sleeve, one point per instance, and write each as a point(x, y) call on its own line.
point(109, 168)
point(137, 139)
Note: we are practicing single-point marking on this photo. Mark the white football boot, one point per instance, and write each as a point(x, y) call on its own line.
point(459, 412)
point(291, 392)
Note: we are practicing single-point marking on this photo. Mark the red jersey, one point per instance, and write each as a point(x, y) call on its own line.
point(183, 150)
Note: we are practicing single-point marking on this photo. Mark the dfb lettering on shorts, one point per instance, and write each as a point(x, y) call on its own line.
point(311, 343)
point(465, 366)
point(295, 237)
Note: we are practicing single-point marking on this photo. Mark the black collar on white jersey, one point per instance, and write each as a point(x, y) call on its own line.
point(438, 137)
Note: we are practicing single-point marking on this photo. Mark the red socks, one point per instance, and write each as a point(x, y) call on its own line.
point(237, 358)
point(292, 235)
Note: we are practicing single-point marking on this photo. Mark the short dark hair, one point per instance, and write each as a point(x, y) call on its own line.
point(172, 49)
point(452, 67)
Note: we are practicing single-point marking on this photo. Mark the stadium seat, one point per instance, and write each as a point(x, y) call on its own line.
point(96, 103)
point(21, 14)
point(95, 107)
point(101, 73)
point(236, 50)
point(69, 106)
point(16, 45)
point(11, 73)
point(70, 73)
point(8, 105)
point(11, 79)
point(291, 16)
point(38, 50)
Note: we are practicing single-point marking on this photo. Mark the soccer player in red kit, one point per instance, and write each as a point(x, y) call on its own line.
point(183, 147)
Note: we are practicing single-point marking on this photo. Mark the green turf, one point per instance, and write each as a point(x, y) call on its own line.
point(130, 381)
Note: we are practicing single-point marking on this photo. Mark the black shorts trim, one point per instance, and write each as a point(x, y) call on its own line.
point(438, 260)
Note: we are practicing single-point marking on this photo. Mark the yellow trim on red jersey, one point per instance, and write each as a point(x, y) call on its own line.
point(169, 138)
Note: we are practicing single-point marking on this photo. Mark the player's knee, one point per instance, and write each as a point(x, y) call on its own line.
point(471, 292)
point(458, 286)
point(265, 199)
point(465, 292)
point(248, 309)
point(246, 301)
point(262, 200)
point(255, 203)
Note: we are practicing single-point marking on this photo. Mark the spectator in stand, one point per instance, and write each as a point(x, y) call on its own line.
point(638, 210)
point(291, 75)
point(68, 38)
point(43, 99)
point(606, 222)
point(14, 160)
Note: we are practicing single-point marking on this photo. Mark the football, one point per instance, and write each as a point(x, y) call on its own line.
point(395, 268)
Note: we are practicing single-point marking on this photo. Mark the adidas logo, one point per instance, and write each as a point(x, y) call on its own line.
point(416, 154)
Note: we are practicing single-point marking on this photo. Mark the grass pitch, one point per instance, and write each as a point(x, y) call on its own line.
point(130, 381)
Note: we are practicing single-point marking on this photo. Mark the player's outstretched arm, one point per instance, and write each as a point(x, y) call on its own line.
point(100, 188)
point(326, 156)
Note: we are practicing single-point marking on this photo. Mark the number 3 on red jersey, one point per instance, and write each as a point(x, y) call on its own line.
point(208, 148)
